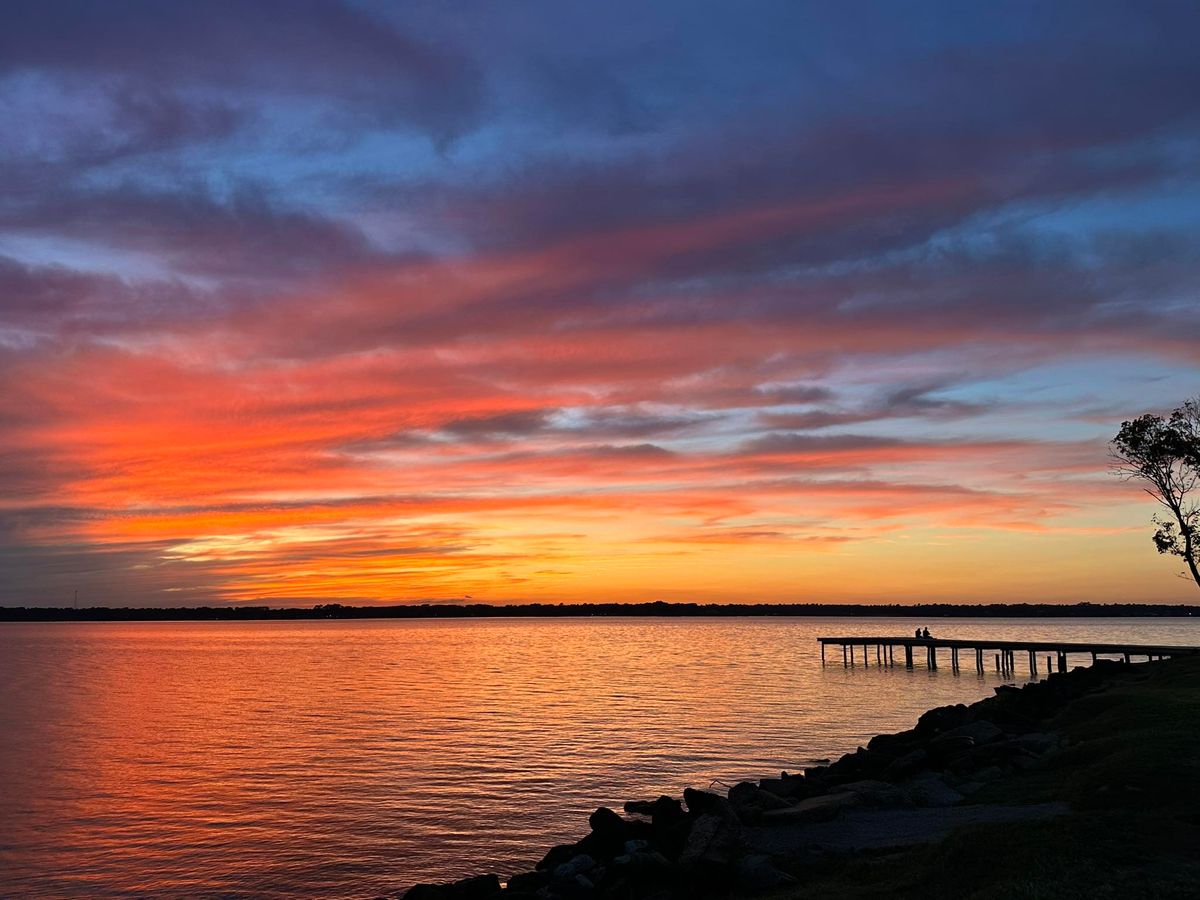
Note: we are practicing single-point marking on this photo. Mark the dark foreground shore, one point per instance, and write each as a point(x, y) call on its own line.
point(1086, 784)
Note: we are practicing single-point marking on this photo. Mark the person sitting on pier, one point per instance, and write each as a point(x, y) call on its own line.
point(926, 634)
point(917, 633)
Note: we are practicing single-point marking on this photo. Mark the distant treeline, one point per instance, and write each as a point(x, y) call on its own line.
point(564, 610)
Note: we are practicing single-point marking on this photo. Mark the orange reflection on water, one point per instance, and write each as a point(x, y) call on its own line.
point(355, 758)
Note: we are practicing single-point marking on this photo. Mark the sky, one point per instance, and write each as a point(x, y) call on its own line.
point(307, 302)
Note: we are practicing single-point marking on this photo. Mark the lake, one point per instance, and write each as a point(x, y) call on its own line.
point(354, 758)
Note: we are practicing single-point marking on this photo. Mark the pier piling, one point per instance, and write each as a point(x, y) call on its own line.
point(1005, 655)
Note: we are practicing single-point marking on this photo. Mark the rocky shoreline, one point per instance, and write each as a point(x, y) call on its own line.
point(766, 835)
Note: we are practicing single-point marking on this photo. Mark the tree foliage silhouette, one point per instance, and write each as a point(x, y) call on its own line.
point(1164, 454)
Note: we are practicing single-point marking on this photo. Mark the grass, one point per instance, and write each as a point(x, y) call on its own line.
point(1130, 771)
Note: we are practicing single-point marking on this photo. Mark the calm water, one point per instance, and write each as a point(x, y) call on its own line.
point(354, 758)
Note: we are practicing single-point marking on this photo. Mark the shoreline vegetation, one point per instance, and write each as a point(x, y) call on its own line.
point(1084, 784)
point(657, 608)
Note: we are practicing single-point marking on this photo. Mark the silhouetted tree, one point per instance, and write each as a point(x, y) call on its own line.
point(1164, 454)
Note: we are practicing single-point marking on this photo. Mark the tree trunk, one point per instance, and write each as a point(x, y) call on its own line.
point(1189, 551)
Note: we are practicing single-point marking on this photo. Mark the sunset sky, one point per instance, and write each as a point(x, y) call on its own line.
point(305, 301)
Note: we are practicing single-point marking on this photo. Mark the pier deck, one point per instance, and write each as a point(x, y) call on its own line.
point(1004, 652)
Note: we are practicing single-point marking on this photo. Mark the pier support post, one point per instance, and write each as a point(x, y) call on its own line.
point(997, 662)
point(979, 660)
point(866, 659)
point(954, 658)
point(908, 664)
point(1062, 661)
point(1033, 662)
point(1127, 659)
point(931, 656)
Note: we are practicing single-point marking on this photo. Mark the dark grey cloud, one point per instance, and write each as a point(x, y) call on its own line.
point(781, 443)
point(335, 50)
point(911, 401)
point(244, 234)
point(518, 423)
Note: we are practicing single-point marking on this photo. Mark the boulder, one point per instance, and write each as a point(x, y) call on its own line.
point(701, 802)
point(860, 764)
point(481, 887)
point(713, 842)
point(948, 746)
point(607, 823)
point(662, 811)
point(997, 753)
point(576, 865)
point(981, 731)
point(930, 789)
point(1036, 741)
point(894, 744)
point(642, 861)
point(756, 873)
point(815, 809)
point(527, 882)
point(556, 856)
point(903, 767)
point(874, 793)
point(794, 788)
point(942, 718)
point(750, 801)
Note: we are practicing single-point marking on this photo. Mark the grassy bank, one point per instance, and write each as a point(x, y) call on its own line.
point(1130, 770)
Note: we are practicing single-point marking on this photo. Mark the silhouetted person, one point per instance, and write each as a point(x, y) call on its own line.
point(926, 634)
point(917, 633)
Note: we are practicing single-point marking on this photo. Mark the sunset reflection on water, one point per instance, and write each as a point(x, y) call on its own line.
point(349, 758)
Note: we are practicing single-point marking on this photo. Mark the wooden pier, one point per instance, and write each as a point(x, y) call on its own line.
point(1004, 653)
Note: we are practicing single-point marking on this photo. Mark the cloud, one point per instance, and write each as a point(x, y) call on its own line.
point(327, 301)
point(356, 61)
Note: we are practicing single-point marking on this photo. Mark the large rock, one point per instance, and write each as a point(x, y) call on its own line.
point(1036, 741)
point(906, 765)
point(663, 811)
point(481, 887)
point(750, 801)
point(894, 744)
point(607, 823)
point(942, 718)
point(930, 789)
point(980, 731)
point(757, 873)
point(713, 842)
point(860, 764)
point(527, 882)
point(815, 809)
point(947, 746)
point(641, 860)
point(874, 793)
point(997, 753)
point(556, 856)
point(576, 865)
point(700, 803)
point(795, 787)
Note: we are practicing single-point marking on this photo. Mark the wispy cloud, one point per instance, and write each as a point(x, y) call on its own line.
point(404, 303)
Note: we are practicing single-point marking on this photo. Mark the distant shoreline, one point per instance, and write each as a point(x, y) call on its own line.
point(589, 610)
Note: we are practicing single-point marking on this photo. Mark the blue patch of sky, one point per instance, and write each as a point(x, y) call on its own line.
point(83, 256)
